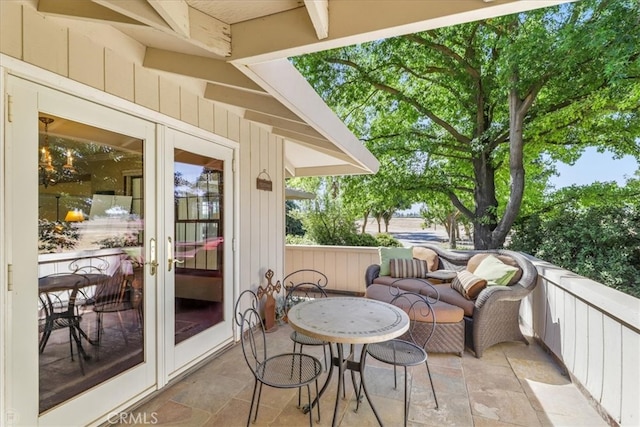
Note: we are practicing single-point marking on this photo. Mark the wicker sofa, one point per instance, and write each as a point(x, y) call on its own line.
point(491, 318)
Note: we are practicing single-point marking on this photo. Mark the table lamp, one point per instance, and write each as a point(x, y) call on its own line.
point(74, 216)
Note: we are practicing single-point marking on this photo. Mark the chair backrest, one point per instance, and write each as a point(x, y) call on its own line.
point(303, 285)
point(58, 293)
point(92, 265)
point(252, 333)
point(422, 317)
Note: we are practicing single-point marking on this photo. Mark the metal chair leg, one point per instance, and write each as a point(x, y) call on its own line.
point(432, 387)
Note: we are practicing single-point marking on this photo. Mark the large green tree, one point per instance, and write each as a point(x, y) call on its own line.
point(467, 108)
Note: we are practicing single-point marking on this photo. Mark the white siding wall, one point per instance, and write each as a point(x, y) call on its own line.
point(262, 212)
point(344, 266)
point(77, 51)
point(595, 331)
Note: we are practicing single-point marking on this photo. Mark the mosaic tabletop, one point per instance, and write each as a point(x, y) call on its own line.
point(348, 320)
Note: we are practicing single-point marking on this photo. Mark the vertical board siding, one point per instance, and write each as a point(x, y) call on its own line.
point(569, 331)
point(630, 410)
point(595, 338)
point(189, 107)
point(262, 232)
point(612, 374)
point(45, 43)
point(119, 76)
point(595, 353)
point(205, 114)
point(169, 98)
point(581, 365)
point(11, 28)
point(146, 88)
point(86, 61)
point(344, 266)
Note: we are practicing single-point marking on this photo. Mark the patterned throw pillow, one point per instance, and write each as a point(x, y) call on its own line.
point(402, 268)
point(468, 284)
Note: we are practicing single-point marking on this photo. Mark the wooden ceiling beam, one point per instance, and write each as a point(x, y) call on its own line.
point(318, 11)
point(288, 34)
point(204, 31)
point(140, 10)
point(84, 10)
point(199, 67)
point(279, 122)
point(175, 13)
point(248, 100)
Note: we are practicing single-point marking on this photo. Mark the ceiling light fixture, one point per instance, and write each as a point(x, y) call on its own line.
point(48, 173)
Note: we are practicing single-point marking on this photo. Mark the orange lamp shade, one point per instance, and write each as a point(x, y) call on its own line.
point(74, 216)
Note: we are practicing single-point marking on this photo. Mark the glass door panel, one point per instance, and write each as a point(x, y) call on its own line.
point(198, 252)
point(90, 246)
point(80, 335)
point(198, 277)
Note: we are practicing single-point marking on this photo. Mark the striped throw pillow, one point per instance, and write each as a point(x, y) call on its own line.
point(468, 284)
point(402, 268)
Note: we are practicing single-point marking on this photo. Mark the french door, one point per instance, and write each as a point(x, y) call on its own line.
point(80, 193)
point(196, 270)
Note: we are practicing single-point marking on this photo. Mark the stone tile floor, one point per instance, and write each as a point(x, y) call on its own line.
point(512, 385)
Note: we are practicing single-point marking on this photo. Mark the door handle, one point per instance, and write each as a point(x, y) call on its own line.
point(170, 259)
point(153, 264)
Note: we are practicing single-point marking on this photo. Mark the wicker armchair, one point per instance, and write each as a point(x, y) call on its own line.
point(496, 310)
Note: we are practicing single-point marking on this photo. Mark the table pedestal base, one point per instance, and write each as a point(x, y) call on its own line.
point(344, 364)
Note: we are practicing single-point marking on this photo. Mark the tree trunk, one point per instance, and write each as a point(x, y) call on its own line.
point(485, 216)
point(364, 223)
point(452, 231)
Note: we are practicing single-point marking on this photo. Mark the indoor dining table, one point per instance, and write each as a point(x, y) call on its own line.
point(348, 320)
point(72, 283)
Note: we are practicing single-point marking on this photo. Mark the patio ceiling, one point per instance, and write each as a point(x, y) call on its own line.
point(237, 51)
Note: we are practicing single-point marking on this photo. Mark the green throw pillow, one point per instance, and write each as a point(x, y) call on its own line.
point(387, 254)
point(494, 271)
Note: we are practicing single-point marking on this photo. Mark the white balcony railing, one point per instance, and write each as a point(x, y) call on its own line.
point(593, 330)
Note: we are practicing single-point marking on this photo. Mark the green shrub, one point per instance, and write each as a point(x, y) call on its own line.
point(298, 240)
point(601, 243)
point(356, 239)
point(387, 240)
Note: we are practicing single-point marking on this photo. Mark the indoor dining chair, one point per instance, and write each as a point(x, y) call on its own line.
point(58, 294)
point(273, 370)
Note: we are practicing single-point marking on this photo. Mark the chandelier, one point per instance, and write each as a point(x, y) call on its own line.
point(49, 175)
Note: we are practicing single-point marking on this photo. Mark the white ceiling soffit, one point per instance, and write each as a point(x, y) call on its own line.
point(237, 49)
point(295, 194)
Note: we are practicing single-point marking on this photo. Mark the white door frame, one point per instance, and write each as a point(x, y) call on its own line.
point(188, 353)
point(28, 99)
point(15, 410)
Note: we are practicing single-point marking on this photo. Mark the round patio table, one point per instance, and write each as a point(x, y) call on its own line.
point(348, 320)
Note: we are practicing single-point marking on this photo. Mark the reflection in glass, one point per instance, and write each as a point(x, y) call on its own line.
point(198, 245)
point(90, 265)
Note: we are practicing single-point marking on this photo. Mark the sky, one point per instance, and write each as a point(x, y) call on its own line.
point(593, 166)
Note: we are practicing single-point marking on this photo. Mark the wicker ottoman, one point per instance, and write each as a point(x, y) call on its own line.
point(448, 336)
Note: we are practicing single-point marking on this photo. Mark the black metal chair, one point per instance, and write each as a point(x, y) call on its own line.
point(409, 349)
point(58, 294)
point(303, 285)
point(116, 295)
point(273, 370)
